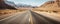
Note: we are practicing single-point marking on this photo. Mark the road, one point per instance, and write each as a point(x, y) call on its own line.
point(28, 17)
point(41, 19)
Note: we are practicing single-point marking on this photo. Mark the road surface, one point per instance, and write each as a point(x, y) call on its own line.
point(40, 19)
point(28, 17)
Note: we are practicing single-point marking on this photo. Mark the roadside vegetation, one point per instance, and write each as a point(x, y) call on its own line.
point(52, 10)
point(3, 12)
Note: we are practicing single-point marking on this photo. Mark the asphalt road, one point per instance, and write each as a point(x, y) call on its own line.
point(28, 17)
point(41, 19)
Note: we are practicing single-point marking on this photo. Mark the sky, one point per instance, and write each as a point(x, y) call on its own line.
point(30, 2)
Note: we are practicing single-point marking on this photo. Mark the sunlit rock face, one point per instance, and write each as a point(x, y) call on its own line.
point(3, 5)
point(48, 4)
point(58, 2)
point(51, 4)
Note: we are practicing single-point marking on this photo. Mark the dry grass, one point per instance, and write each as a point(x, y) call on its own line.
point(7, 11)
point(2, 12)
point(50, 10)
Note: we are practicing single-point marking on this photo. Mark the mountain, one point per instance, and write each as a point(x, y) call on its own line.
point(10, 3)
point(3, 5)
point(22, 5)
point(51, 4)
point(48, 4)
point(25, 5)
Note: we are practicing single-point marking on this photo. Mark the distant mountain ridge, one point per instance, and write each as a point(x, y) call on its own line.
point(3, 5)
point(25, 5)
point(18, 5)
point(10, 3)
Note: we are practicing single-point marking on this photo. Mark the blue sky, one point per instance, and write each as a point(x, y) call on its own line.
point(30, 2)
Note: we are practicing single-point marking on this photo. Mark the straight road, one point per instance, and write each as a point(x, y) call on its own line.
point(28, 17)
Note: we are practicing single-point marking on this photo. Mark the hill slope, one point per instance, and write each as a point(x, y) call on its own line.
point(3, 5)
point(50, 4)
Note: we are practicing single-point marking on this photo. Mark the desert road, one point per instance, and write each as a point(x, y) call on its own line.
point(28, 17)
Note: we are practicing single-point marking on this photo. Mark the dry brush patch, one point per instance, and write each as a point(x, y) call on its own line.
point(6, 13)
point(51, 10)
point(2, 12)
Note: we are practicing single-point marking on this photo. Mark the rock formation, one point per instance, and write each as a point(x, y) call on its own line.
point(51, 4)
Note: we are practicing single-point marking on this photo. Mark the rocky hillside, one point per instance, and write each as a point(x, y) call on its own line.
point(51, 4)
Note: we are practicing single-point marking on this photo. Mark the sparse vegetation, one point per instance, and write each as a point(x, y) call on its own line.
point(2, 12)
